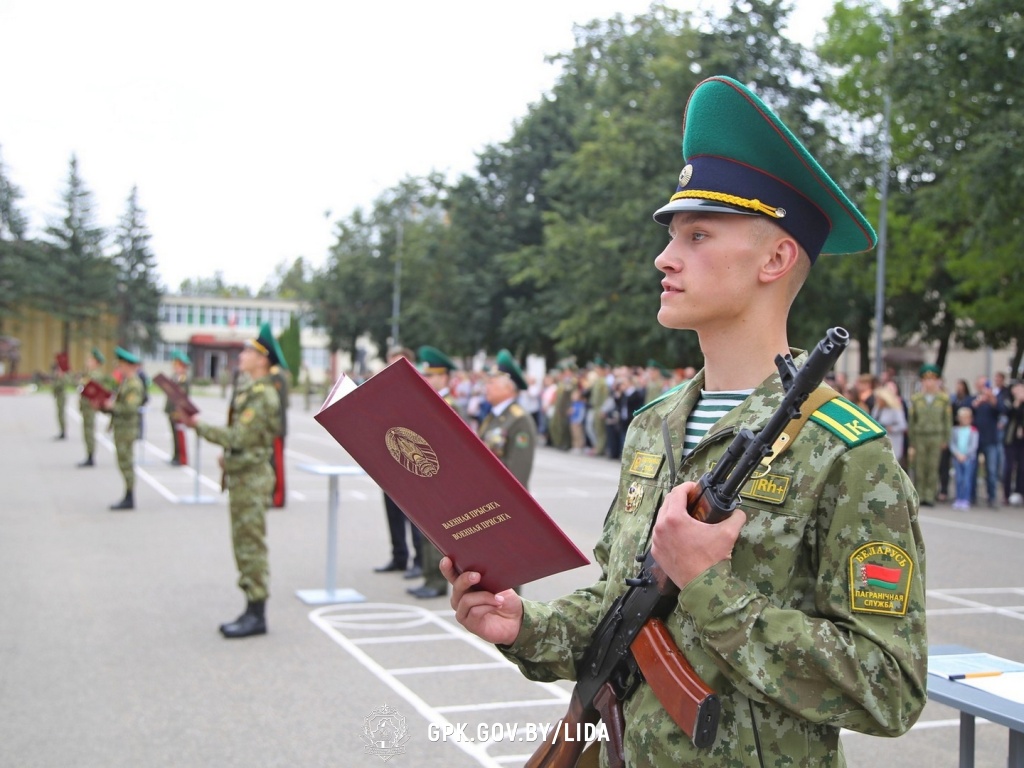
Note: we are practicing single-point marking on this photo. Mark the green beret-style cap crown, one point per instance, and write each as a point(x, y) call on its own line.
point(433, 360)
point(267, 345)
point(929, 369)
point(181, 357)
point(98, 356)
point(741, 159)
point(123, 354)
point(507, 364)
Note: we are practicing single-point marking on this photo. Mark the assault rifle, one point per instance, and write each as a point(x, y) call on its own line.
point(631, 644)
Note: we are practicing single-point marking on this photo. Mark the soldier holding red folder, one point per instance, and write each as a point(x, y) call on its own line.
point(248, 439)
point(804, 610)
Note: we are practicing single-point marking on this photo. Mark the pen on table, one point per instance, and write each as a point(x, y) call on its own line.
point(969, 675)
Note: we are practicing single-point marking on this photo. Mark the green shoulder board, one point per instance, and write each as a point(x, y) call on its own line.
point(847, 421)
point(659, 398)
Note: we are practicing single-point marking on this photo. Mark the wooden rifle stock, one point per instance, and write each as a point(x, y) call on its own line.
point(556, 751)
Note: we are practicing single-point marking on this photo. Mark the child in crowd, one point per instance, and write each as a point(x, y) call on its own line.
point(577, 417)
point(963, 445)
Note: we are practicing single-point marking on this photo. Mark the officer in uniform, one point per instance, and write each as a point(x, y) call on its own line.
point(805, 609)
point(93, 363)
point(123, 408)
point(180, 363)
point(929, 426)
point(59, 381)
point(508, 430)
point(436, 368)
point(247, 439)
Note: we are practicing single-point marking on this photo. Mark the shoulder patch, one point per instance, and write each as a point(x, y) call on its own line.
point(848, 422)
point(880, 577)
point(659, 398)
point(517, 410)
point(259, 387)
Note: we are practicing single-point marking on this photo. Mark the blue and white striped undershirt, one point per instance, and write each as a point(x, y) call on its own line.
point(709, 409)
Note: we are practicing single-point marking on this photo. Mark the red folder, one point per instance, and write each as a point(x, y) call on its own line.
point(176, 394)
point(455, 490)
point(95, 393)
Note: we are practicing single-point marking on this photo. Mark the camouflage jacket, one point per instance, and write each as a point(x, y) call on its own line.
point(816, 623)
point(253, 423)
point(929, 418)
point(127, 401)
point(512, 437)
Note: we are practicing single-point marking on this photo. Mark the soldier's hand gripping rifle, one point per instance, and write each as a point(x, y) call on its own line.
point(631, 644)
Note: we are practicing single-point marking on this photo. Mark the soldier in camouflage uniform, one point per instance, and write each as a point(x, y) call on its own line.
point(59, 383)
point(436, 367)
point(92, 373)
point(123, 408)
point(929, 426)
point(248, 438)
point(804, 610)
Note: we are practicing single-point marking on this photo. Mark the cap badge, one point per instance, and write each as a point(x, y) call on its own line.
point(685, 175)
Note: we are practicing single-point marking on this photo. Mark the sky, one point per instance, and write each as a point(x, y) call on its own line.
point(249, 128)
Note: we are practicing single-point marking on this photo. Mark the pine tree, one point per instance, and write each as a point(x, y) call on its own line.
point(138, 293)
point(80, 278)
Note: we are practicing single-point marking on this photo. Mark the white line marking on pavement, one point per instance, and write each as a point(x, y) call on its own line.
point(1001, 532)
point(959, 597)
point(387, 618)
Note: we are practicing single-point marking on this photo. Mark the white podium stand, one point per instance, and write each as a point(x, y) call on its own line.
point(330, 593)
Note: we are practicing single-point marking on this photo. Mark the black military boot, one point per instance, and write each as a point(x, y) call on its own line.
point(128, 502)
point(88, 462)
point(252, 622)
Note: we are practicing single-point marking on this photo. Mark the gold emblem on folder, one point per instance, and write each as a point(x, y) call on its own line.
point(412, 452)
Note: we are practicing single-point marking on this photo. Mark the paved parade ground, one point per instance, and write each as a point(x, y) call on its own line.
point(110, 654)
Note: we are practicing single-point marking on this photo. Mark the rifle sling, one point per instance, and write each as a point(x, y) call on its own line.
point(814, 401)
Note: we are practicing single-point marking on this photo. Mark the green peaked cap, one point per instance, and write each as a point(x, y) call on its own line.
point(181, 357)
point(98, 356)
point(123, 354)
point(740, 158)
point(507, 364)
point(433, 360)
point(267, 345)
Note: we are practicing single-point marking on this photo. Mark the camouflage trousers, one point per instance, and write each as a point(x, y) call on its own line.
point(124, 443)
point(927, 454)
point(89, 428)
point(248, 496)
point(61, 400)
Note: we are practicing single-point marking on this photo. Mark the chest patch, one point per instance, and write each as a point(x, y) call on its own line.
point(770, 487)
point(646, 465)
point(880, 576)
point(247, 415)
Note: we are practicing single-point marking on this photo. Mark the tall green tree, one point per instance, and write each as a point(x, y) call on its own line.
point(138, 290)
point(291, 347)
point(351, 295)
point(81, 279)
point(962, 92)
point(289, 281)
point(622, 94)
point(19, 258)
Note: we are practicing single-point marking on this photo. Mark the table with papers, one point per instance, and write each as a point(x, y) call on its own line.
point(979, 685)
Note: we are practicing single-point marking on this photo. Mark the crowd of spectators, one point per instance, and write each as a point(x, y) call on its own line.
point(587, 410)
point(993, 409)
